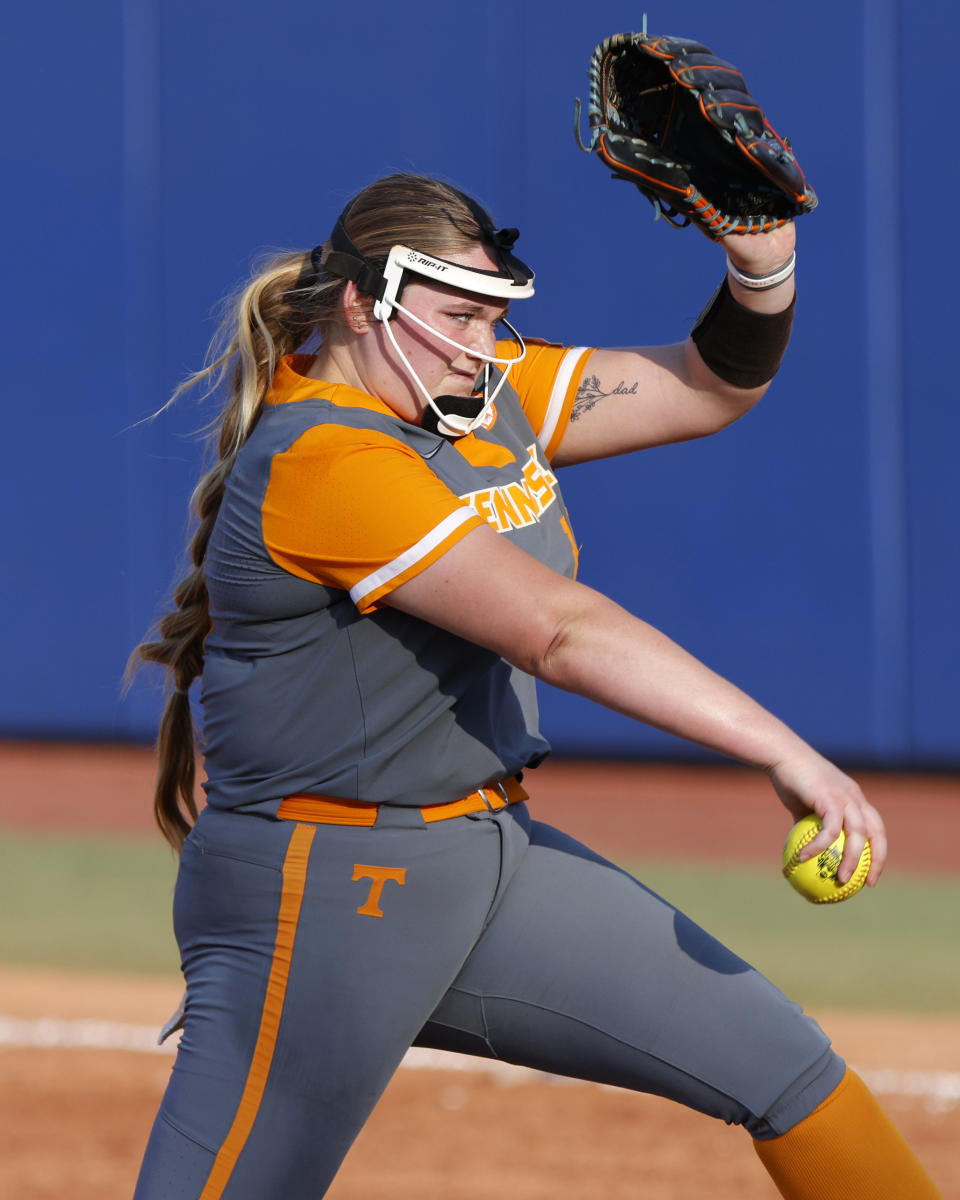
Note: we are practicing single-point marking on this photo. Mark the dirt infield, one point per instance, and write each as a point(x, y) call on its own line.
point(73, 1121)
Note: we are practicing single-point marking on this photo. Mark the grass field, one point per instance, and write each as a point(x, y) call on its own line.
point(84, 901)
point(104, 903)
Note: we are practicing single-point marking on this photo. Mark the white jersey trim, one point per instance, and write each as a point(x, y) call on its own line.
point(409, 558)
point(568, 364)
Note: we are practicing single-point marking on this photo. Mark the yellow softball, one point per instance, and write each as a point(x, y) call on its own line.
point(816, 879)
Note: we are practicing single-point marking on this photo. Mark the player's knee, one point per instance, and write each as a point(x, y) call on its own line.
point(795, 1103)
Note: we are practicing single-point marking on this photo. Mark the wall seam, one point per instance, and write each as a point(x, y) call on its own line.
point(884, 269)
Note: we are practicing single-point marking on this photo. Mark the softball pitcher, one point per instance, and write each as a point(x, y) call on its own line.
point(382, 567)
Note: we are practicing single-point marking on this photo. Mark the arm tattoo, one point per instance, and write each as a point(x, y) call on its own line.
point(590, 393)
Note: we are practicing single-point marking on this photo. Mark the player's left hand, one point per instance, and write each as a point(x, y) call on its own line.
point(761, 253)
point(809, 783)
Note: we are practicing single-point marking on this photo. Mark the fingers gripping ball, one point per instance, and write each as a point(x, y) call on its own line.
point(816, 879)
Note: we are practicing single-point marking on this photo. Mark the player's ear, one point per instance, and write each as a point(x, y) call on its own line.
point(357, 308)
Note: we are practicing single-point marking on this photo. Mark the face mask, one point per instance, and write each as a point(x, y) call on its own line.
point(452, 416)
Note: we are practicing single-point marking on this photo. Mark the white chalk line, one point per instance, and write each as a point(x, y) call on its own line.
point(939, 1091)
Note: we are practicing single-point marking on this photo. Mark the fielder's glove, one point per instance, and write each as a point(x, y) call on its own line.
point(680, 124)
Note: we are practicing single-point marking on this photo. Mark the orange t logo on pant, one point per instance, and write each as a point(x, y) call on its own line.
point(379, 876)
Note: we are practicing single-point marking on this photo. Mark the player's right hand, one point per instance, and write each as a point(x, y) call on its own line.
point(810, 783)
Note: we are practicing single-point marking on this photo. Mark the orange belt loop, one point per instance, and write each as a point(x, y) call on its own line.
point(328, 810)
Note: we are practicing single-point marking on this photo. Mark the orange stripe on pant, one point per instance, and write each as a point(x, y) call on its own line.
point(291, 897)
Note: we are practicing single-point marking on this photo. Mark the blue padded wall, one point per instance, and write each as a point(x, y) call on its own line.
point(810, 552)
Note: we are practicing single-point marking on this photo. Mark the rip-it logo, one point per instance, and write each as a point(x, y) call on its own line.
point(423, 260)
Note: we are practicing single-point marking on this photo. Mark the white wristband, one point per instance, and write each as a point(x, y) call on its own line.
point(760, 283)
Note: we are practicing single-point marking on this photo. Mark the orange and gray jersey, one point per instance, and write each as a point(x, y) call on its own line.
point(311, 683)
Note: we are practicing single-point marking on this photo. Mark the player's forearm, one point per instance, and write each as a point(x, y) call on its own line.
point(605, 654)
point(726, 401)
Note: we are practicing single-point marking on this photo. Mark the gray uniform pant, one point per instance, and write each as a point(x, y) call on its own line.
point(316, 955)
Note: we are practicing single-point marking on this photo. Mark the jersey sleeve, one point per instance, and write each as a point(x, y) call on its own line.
point(546, 382)
point(360, 511)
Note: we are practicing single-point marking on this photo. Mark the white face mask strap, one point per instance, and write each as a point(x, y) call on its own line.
point(406, 362)
point(503, 374)
point(490, 398)
point(486, 358)
point(452, 424)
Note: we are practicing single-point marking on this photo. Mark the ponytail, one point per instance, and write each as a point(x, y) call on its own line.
point(269, 318)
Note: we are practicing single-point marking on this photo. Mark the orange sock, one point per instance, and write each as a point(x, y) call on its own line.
point(847, 1149)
